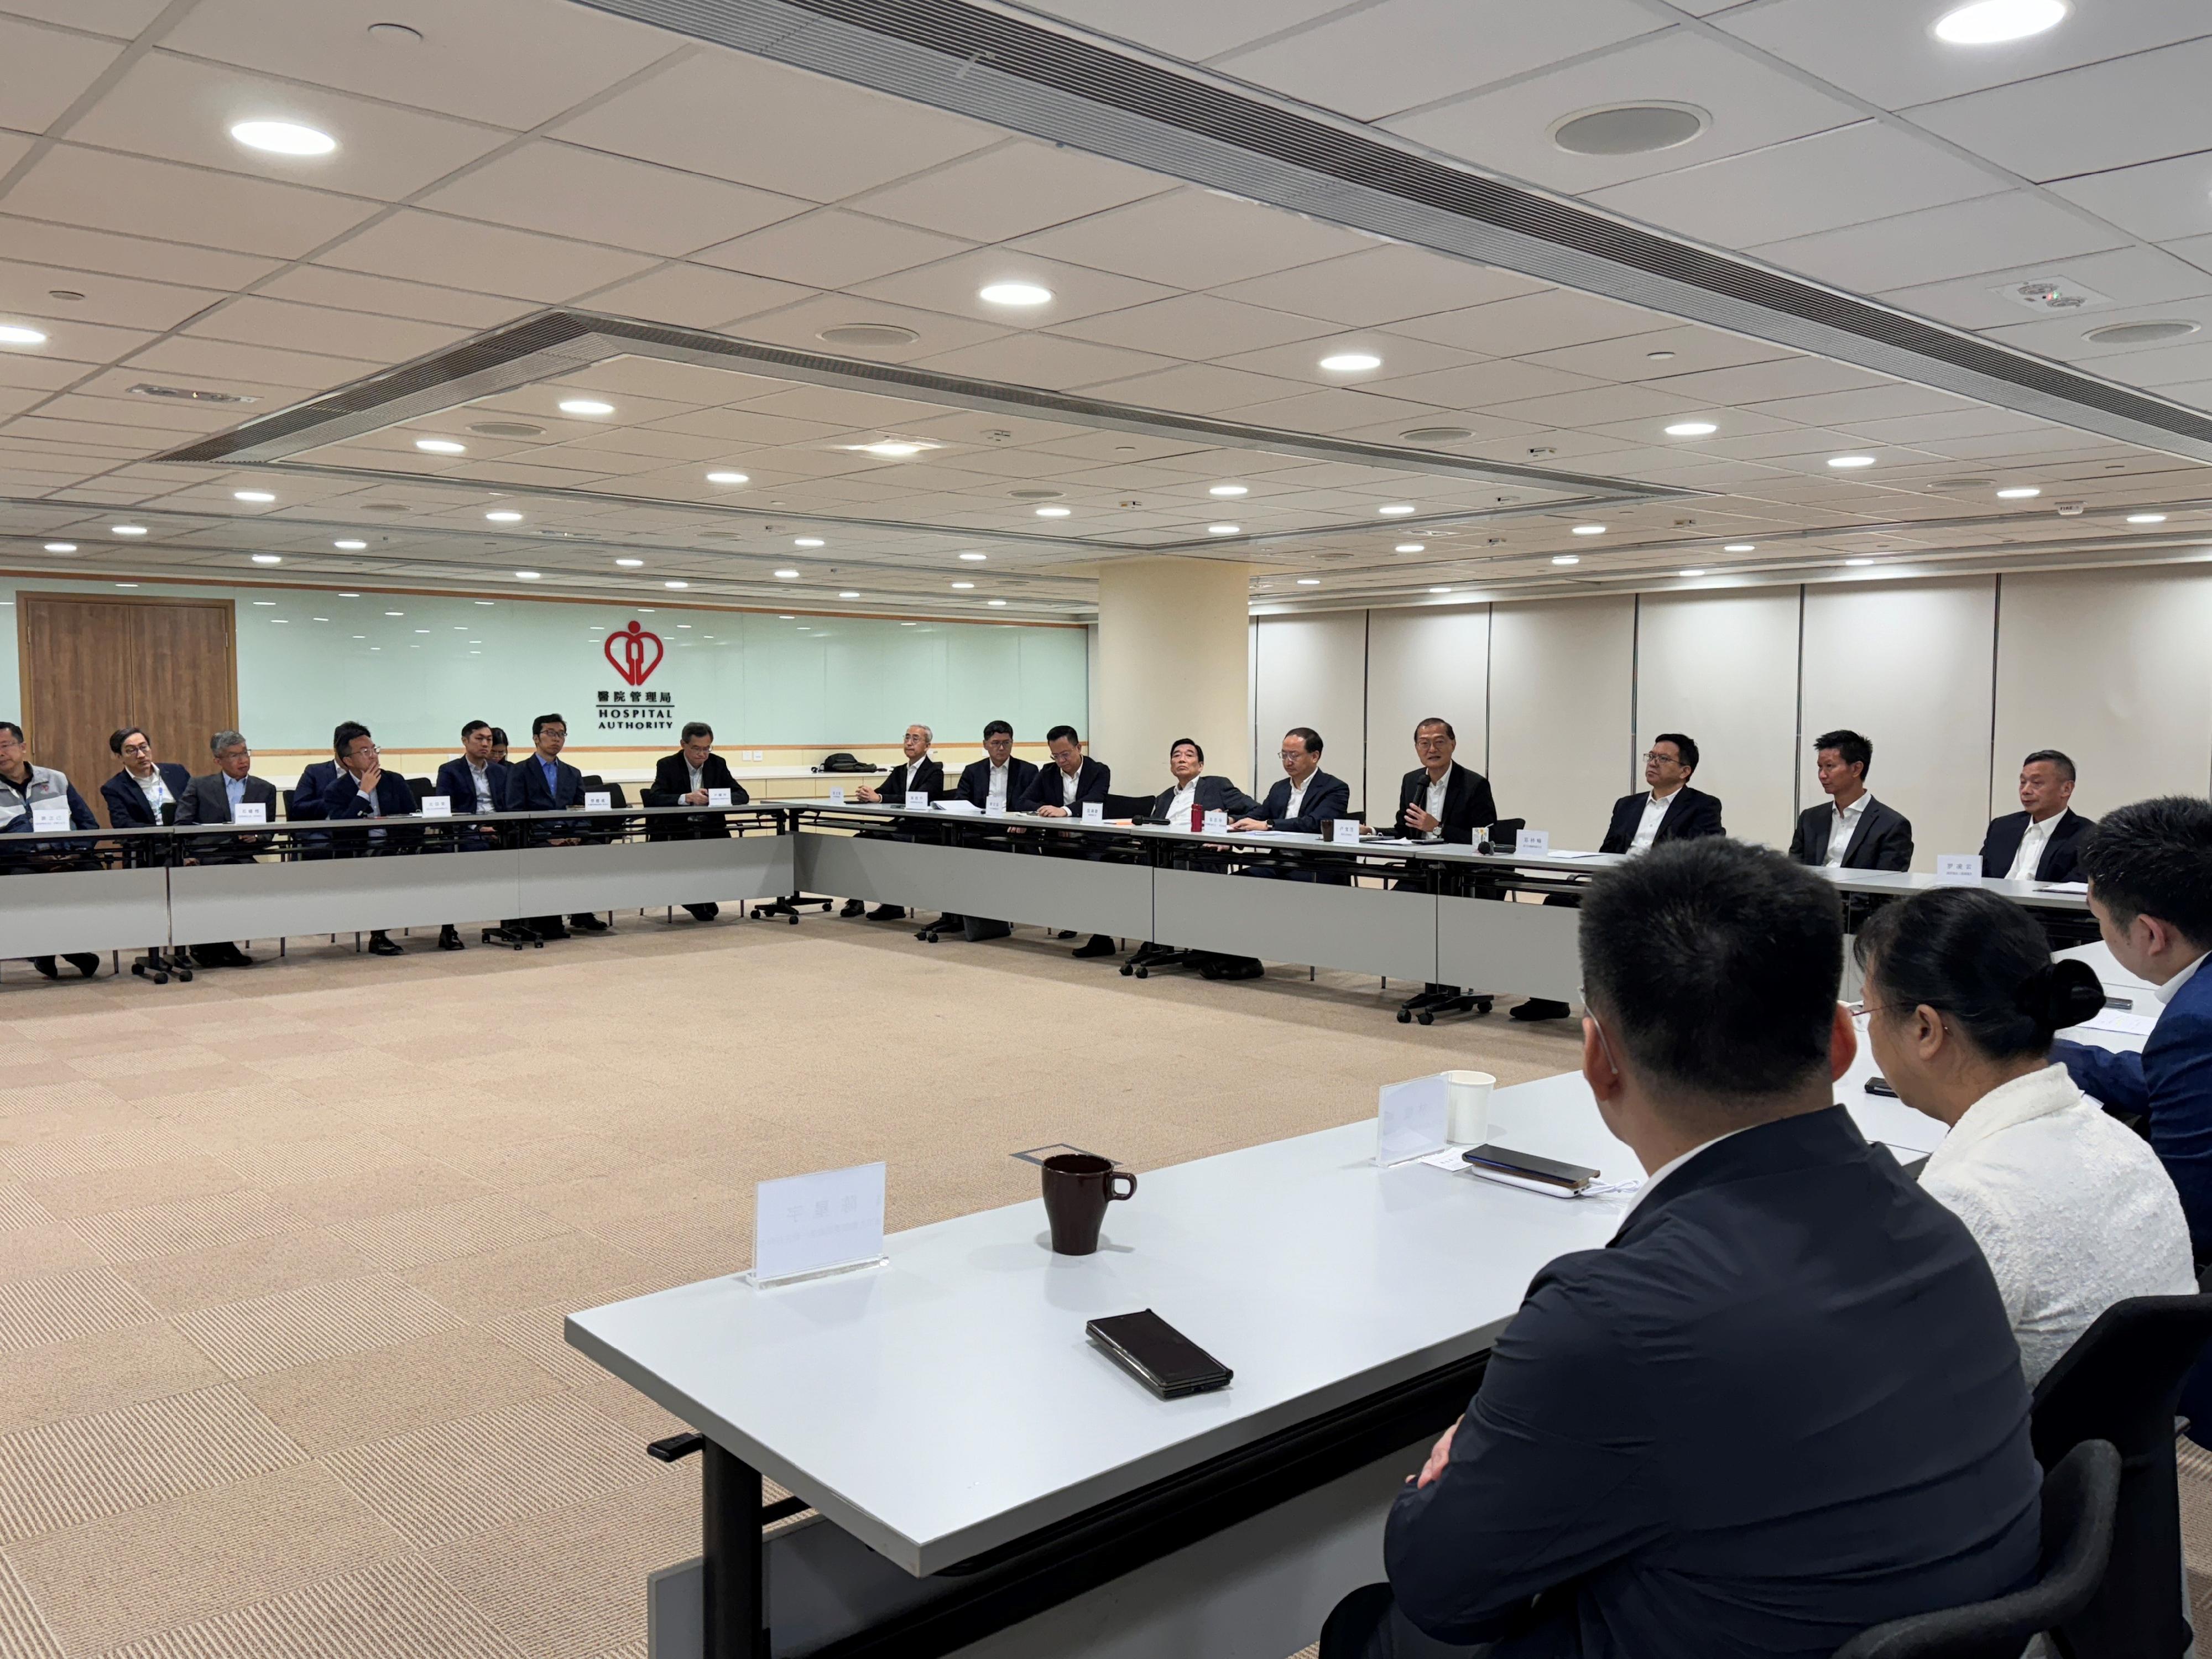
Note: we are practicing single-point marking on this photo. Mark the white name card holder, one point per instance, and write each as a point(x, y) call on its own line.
point(1409, 1120)
point(599, 800)
point(1345, 831)
point(809, 1226)
point(47, 816)
point(249, 812)
point(718, 798)
point(1215, 823)
point(1536, 843)
point(836, 794)
point(437, 807)
point(1094, 811)
point(1958, 869)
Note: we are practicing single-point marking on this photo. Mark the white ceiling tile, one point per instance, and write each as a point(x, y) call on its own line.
point(951, 286)
point(179, 110)
point(14, 147)
point(1842, 177)
point(1044, 360)
point(98, 251)
point(565, 190)
point(830, 247)
point(26, 291)
point(1598, 406)
point(1849, 411)
point(121, 18)
point(141, 197)
point(1192, 239)
point(1884, 51)
point(2127, 110)
point(693, 297)
point(1751, 105)
point(1787, 377)
point(803, 325)
point(1197, 326)
point(43, 71)
point(351, 290)
point(1005, 192)
point(1935, 244)
point(1482, 386)
point(2196, 250)
point(253, 320)
point(1199, 389)
point(2126, 276)
point(1381, 285)
point(1536, 322)
point(429, 247)
point(508, 62)
point(1403, 359)
point(35, 372)
point(1332, 409)
point(1379, 59)
point(2162, 200)
point(1937, 430)
point(2164, 365)
point(1180, 30)
point(178, 358)
point(736, 116)
point(1662, 353)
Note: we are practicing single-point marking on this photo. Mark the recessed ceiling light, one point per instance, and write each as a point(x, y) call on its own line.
point(1230, 489)
point(1847, 461)
point(676, 584)
point(1309, 581)
point(586, 406)
point(441, 446)
point(1695, 571)
point(964, 584)
point(61, 547)
point(1741, 547)
point(729, 477)
point(1589, 530)
point(975, 558)
point(1990, 22)
point(1395, 509)
point(250, 496)
point(2146, 518)
point(995, 603)
point(264, 601)
point(786, 575)
point(1566, 558)
point(504, 516)
point(1692, 430)
point(1014, 293)
point(1224, 530)
point(1440, 590)
point(126, 529)
point(356, 596)
point(126, 584)
point(525, 575)
point(631, 564)
point(1052, 511)
point(507, 429)
point(1629, 129)
point(891, 449)
point(284, 138)
point(1858, 562)
point(902, 624)
point(1410, 547)
point(268, 558)
point(1351, 362)
point(806, 541)
point(850, 594)
point(350, 546)
point(19, 334)
point(2024, 492)
point(395, 613)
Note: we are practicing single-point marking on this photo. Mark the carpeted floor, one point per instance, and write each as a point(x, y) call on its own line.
point(284, 1253)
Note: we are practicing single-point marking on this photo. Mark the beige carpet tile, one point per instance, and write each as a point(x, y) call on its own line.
point(55, 1306)
point(98, 1373)
point(534, 1161)
point(105, 1060)
point(535, 1333)
point(129, 1577)
point(23, 1633)
point(398, 1609)
point(70, 1019)
point(316, 1322)
point(416, 1238)
point(95, 1192)
point(573, 1267)
point(451, 1480)
point(123, 1139)
point(304, 1150)
point(569, 1583)
point(217, 1078)
point(622, 1405)
point(415, 1184)
point(190, 1224)
point(607, 1204)
point(211, 1103)
point(59, 1474)
point(247, 1268)
point(18, 1209)
point(34, 1252)
point(378, 1393)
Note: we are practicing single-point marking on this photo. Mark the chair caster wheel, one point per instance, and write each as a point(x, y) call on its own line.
point(1404, 1017)
point(1482, 1005)
point(1127, 969)
point(159, 978)
point(793, 919)
point(932, 936)
point(1144, 973)
point(1425, 1017)
point(184, 977)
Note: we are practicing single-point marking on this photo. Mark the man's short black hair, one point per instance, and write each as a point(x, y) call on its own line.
point(1714, 965)
point(12, 729)
point(544, 720)
point(1851, 748)
point(343, 737)
point(1434, 720)
point(476, 725)
point(2064, 762)
point(1059, 731)
point(1686, 747)
point(119, 737)
point(2153, 858)
point(997, 728)
point(693, 729)
point(1179, 743)
point(1308, 736)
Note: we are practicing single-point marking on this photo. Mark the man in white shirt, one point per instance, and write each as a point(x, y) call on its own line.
point(911, 785)
point(2042, 840)
point(1853, 831)
point(1305, 798)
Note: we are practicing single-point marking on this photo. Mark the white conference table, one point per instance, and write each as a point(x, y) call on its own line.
point(947, 1405)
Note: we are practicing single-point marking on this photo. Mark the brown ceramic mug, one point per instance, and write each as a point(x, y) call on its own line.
point(1078, 1186)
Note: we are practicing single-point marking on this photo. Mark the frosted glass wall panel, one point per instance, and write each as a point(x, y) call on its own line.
point(1424, 662)
point(1310, 670)
point(1561, 745)
point(1722, 668)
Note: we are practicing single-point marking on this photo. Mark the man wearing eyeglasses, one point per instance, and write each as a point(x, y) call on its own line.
point(1307, 797)
point(361, 788)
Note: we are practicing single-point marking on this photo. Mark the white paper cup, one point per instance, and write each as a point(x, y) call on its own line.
point(1466, 1110)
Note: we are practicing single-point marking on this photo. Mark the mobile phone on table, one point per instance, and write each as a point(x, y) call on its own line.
point(1158, 1355)
point(1550, 1172)
point(1879, 1085)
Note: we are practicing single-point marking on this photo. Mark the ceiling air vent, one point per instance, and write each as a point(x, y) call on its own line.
point(1436, 435)
point(507, 429)
point(879, 336)
point(187, 394)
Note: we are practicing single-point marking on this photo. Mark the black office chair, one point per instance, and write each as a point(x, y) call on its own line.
point(419, 787)
point(2120, 1382)
point(1132, 806)
point(2078, 1498)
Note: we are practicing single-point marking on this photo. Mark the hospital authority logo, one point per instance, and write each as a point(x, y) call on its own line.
point(633, 654)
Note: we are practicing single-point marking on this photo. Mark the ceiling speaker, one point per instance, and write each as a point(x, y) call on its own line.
point(2140, 333)
point(866, 334)
point(1630, 129)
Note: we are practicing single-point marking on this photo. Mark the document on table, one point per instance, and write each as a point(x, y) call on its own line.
point(1450, 1159)
point(965, 809)
point(2080, 889)
point(2120, 1023)
point(1561, 853)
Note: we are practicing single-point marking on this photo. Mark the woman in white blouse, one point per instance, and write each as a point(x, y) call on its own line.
point(2073, 1211)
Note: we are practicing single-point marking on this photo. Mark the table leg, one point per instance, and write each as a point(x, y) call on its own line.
point(729, 1537)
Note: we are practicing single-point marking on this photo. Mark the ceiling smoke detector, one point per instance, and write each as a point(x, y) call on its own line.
point(2070, 509)
point(881, 335)
point(187, 394)
point(2051, 294)
point(1630, 129)
point(2148, 333)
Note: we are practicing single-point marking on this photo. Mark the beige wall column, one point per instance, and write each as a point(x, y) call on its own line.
point(1174, 649)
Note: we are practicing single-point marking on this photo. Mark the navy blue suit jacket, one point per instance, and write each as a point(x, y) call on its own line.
point(1783, 1405)
point(126, 801)
point(1691, 814)
point(458, 785)
point(527, 790)
point(1093, 782)
point(2062, 854)
point(2169, 1083)
point(392, 799)
point(1326, 798)
point(976, 781)
point(308, 791)
point(1214, 794)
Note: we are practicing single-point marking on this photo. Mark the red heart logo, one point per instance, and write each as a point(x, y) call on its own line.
point(631, 665)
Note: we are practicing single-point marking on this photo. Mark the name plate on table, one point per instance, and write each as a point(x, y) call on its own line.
point(718, 798)
point(1094, 811)
point(1409, 1119)
point(836, 794)
point(1215, 823)
point(250, 812)
point(437, 807)
point(1536, 843)
point(1345, 832)
point(1958, 869)
point(49, 815)
point(599, 800)
point(808, 1225)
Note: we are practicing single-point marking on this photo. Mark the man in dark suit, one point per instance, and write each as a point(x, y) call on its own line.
point(2041, 841)
point(542, 782)
point(309, 790)
point(683, 779)
point(143, 795)
point(1854, 831)
point(215, 799)
point(363, 789)
point(998, 782)
point(1062, 790)
point(1305, 798)
point(913, 784)
point(1196, 790)
point(1441, 800)
point(473, 782)
point(1785, 1403)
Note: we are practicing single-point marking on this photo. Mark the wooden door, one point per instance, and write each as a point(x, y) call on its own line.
point(91, 663)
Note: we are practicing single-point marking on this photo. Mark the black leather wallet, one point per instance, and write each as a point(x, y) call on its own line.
point(1158, 1355)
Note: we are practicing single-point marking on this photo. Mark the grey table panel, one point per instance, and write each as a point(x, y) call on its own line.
point(1088, 896)
point(341, 896)
point(1361, 930)
point(46, 913)
point(646, 875)
point(1524, 950)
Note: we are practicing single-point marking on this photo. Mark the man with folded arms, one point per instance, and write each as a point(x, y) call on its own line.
point(1784, 1404)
